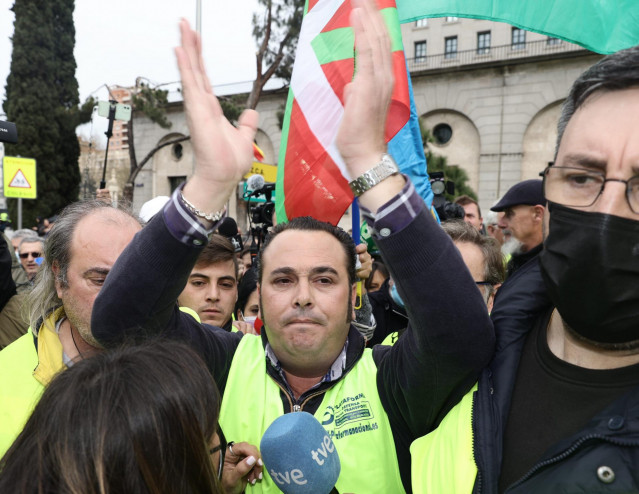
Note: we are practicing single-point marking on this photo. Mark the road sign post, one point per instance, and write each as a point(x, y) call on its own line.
point(19, 180)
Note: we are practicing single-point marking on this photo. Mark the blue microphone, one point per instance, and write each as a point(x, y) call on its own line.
point(299, 455)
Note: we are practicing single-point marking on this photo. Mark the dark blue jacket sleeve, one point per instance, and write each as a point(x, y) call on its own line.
point(449, 339)
point(139, 299)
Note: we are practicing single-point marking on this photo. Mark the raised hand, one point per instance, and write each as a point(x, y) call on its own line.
point(367, 97)
point(360, 139)
point(223, 152)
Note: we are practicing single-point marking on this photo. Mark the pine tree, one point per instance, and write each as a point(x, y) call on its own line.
point(42, 100)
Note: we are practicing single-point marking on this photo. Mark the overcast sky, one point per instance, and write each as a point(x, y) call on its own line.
point(119, 40)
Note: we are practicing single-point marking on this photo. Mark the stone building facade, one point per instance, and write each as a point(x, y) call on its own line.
point(490, 93)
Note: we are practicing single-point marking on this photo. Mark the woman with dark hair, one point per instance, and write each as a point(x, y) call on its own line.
point(247, 307)
point(139, 419)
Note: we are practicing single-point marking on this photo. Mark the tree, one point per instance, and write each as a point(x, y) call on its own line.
point(42, 100)
point(276, 33)
point(152, 102)
point(437, 163)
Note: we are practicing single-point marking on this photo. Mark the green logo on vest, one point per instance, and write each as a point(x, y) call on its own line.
point(352, 411)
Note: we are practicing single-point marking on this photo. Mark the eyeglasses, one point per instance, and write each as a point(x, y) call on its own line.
point(580, 187)
point(24, 255)
point(222, 449)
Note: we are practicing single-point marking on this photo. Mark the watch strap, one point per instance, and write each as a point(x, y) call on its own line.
point(382, 170)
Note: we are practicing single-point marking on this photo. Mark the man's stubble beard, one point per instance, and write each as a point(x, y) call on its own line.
point(349, 312)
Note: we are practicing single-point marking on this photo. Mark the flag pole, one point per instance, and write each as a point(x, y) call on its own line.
point(355, 220)
point(356, 240)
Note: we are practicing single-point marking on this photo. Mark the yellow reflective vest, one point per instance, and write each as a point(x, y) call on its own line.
point(443, 461)
point(351, 412)
point(24, 373)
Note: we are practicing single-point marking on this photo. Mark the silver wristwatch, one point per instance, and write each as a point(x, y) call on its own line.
point(384, 169)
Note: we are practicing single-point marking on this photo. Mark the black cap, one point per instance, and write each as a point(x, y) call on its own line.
point(529, 192)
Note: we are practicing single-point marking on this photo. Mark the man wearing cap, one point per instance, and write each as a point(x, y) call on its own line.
point(523, 207)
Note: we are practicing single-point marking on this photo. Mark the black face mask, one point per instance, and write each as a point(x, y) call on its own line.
point(590, 264)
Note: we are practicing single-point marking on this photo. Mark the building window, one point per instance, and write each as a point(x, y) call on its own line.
point(483, 42)
point(518, 39)
point(421, 23)
point(175, 182)
point(553, 41)
point(450, 47)
point(178, 151)
point(420, 51)
point(442, 133)
point(452, 19)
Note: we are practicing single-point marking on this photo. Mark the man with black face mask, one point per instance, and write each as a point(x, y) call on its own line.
point(558, 408)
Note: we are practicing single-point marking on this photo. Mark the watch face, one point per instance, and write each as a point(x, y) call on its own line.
point(438, 187)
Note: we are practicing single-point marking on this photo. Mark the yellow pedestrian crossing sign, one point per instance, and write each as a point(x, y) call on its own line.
point(19, 177)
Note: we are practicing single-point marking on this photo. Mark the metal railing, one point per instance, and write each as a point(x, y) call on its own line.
point(493, 54)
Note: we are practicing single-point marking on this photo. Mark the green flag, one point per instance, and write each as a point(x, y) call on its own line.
point(602, 26)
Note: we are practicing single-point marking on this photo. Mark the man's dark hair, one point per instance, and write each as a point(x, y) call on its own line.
point(465, 200)
point(246, 286)
point(219, 249)
point(307, 223)
point(460, 231)
point(377, 266)
point(612, 73)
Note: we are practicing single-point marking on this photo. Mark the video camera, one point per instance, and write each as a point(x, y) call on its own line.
point(445, 209)
point(260, 215)
point(8, 132)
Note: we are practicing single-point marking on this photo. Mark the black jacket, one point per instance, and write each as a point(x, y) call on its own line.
point(573, 465)
point(419, 379)
point(518, 260)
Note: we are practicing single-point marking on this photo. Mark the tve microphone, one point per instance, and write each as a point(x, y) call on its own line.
point(255, 182)
point(228, 229)
point(299, 455)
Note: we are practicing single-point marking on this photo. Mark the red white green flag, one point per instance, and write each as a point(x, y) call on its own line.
point(311, 173)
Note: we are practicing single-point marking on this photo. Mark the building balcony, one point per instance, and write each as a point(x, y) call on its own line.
point(497, 55)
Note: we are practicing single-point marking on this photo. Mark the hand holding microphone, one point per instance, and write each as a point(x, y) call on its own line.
point(242, 464)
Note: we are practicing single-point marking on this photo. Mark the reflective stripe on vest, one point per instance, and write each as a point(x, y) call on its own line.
point(351, 413)
point(443, 460)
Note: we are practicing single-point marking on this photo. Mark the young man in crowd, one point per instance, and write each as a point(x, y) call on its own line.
point(211, 289)
point(472, 211)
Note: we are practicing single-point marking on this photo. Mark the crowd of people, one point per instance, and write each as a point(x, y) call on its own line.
point(492, 354)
